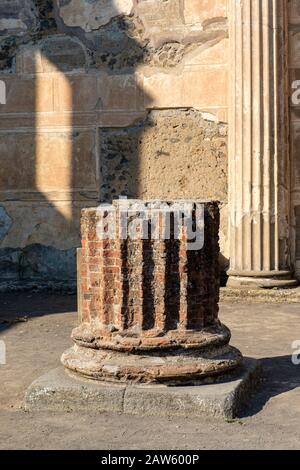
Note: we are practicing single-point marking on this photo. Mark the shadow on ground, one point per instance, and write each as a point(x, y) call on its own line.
point(20, 308)
point(279, 375)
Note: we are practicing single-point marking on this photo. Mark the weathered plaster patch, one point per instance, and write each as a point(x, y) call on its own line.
point(125, 43)
point(37, 262)
point(90, 14)
point(46, 262)
point(199, 11)
point(12, 23)
point(5, 223)
point(43, 224)
point(9, 263)
point(171, 154)
point(209, 117)
point(21, 15)
point(165, 21)
point(33, 20)
point(51, 54)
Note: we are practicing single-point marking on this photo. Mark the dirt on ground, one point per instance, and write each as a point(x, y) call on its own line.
point(36, 330)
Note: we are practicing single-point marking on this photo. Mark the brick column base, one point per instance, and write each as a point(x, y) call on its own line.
point(149, 307)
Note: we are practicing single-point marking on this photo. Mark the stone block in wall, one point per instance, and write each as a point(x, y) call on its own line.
point(205, 87)
point(78, 93)
point(17, 169)
point(75, 93)
point(196, 87)
point(49, 160)
point(203, 11)
point(214, 52)
point(22, 92)
point(66, 160)
point(52, 54)
point(163, 90)
point(83, 93)
point(120, 92)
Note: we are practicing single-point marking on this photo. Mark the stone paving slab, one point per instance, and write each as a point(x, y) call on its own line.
point(60, 391)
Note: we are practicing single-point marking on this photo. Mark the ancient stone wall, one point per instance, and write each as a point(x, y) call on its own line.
point(105, 97)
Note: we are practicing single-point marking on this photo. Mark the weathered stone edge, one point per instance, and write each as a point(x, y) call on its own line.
point(59, 391)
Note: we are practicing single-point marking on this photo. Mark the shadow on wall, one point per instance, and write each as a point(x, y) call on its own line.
point(65, 76)
point(77, 128)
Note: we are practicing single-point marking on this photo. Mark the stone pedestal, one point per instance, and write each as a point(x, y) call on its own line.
point(150, 306)
point(259, 172)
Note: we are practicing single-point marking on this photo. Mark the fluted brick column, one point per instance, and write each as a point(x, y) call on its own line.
point(259, 170)
point(149, 306)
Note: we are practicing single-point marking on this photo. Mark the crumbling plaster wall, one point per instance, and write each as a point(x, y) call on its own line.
point(105, 97)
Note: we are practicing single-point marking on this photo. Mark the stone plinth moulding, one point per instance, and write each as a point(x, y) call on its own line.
point(149, 307)
point(259, 170)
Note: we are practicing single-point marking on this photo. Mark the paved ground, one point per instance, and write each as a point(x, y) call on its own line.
point(265, 331)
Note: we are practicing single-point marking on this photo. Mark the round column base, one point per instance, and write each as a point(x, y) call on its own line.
point(261, 280)
point(135, 340)
point(173, 367)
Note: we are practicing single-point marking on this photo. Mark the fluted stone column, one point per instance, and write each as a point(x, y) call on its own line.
point(149, 306)
point(259, 170)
